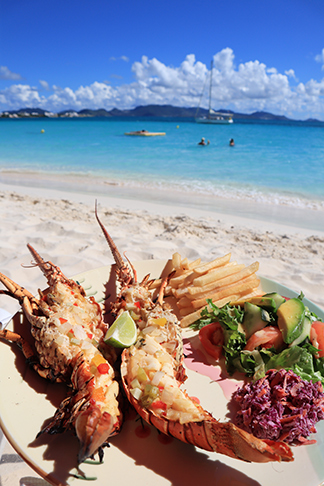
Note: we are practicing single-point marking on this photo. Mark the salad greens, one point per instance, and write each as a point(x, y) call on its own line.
point(299, 358)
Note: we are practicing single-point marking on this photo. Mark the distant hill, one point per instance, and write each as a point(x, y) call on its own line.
point(157, 111)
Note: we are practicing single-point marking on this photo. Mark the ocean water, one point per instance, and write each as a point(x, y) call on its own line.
point(271, 163)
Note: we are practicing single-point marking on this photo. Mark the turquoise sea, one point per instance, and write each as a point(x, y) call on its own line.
point(275, 163)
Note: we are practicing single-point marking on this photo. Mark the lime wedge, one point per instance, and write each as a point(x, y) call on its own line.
point(123, 332)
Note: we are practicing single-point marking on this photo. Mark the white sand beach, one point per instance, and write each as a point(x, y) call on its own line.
point(61, 226)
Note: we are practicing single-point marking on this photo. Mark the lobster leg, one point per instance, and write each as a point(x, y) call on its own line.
point(13, 337)
point(20, 293)
point(30, 356)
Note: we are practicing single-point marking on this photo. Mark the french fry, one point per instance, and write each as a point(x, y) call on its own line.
point(214, 274)
point(246, 284)
point(185, 264)
point(221, 274)
point(218, 262)
point(188, 280)
point(235, 277)
point(178, 280)
point(176, 260)
point(226, 300)
point(194, 264)
point(178, 293)
point(190, 318)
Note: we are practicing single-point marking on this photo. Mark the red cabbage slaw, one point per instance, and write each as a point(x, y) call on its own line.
point(280, 406)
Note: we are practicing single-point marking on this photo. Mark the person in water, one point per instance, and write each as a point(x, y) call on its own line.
point(202, 142)
point(232, 142)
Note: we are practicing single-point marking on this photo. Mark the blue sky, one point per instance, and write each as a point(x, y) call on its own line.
point(268, 54)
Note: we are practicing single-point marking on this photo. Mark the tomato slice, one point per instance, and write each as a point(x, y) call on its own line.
point(266, 338)
point(212, 339)
point(317, 337)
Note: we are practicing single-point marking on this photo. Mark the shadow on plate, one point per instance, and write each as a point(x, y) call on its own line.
point(177, 462)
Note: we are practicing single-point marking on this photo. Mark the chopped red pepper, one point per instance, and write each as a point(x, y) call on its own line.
point(159, 404)
point(137, 304)
point(103, 368)
point(62, 320)
point(89, 335)
point(76, 305)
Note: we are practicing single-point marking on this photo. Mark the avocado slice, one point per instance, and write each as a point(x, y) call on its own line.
point(270, 301)
point(278, 299)
point(306, 328)
point(255, 318)
point(291, 315)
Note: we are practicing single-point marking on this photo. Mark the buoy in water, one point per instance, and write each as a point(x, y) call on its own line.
point(42, 130)
point(177, 126)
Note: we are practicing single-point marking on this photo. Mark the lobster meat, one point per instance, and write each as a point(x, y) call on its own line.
point(152, 372)
point(68, 329)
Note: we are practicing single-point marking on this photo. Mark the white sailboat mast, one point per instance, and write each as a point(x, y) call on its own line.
point(210, 86)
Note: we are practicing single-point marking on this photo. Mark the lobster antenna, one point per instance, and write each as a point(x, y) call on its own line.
point(44, 266)
point(114, 250)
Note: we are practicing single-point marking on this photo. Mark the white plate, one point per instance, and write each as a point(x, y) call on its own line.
point(27, 401)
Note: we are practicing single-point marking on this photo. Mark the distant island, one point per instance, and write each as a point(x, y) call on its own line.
point(147, 111)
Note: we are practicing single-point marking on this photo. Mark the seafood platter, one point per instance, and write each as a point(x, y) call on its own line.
point(158, 409)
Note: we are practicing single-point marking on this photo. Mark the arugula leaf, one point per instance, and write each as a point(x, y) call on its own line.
point(319, 366)
point(298, 359)
point(234, 343)
point(311, 315)
point(227, 315)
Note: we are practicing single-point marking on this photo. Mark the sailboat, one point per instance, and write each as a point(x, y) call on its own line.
point(214, 117)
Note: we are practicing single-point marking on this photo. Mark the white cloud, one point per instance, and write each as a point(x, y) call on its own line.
point(44, 84)
point(291, 73)
point(320, 58)
point(22, 96)
point(120, 58)
point(5, 73)
point(248, 87)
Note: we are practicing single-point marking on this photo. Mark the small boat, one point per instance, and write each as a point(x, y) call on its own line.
point(145, 133)
point(214, 117)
